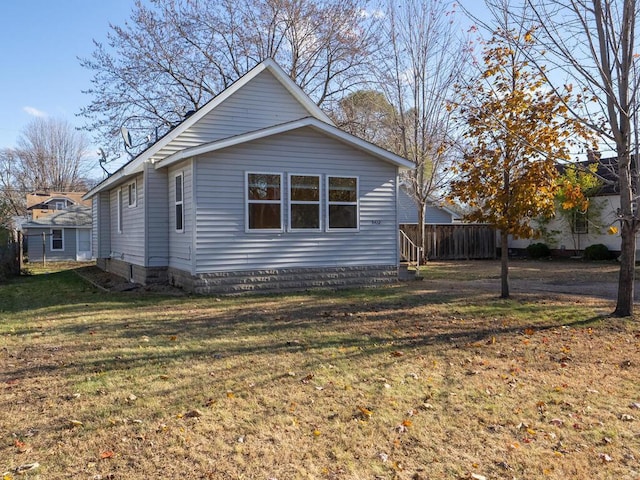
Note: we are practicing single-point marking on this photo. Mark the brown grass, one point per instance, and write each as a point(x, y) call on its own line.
point(431, 379)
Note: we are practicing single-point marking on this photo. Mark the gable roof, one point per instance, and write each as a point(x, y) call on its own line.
point(75, 216)
point(310, 122)
point(34, 199)
point(606, 171)
point(135, 165)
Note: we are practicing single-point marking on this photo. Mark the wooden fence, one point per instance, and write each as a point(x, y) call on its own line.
point(10, 254)
point(455, 241)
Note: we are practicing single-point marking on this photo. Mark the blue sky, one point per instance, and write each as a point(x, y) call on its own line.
point(40, 41)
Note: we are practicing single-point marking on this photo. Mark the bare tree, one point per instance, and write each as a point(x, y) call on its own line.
point(175, 55)
point(369, 115)
point(426, 56)
point(50, 156)
point(592, 44)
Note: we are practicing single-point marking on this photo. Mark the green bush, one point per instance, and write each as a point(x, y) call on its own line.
point(538, 250)
point(597, 252)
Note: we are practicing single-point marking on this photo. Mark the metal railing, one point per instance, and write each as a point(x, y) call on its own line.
point(409, 251)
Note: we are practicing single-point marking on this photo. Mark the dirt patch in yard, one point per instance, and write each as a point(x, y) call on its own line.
point(596, 279)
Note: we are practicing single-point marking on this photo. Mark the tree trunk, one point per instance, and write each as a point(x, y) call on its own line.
point(626, 278)
point(504, 264)
point(420, 239)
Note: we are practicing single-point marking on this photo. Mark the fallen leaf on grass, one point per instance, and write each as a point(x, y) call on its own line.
point(366, 413)
point(75, 423)
point(397, 353)
point(625, 417)
point(107, 454)
point(635, 405)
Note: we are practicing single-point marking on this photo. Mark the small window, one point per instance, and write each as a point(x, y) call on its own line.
point(120, 211)
point(132, 196)
point(342, 202)
point(304, 202)
point(57, 239)
point(580, 222)
point(179, 202)
point(61, 204)
point(264, 201)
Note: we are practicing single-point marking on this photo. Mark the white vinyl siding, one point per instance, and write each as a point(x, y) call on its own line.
point(156, 217)
point(127, 242)
point(120, 218)
point(180, 242)
point(222, 244)
point(243, 112)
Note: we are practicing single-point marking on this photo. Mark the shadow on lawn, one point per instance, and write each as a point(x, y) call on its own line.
point(355, 322)
point(147, 334)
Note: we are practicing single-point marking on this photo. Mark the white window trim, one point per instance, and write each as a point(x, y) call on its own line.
point(290, 202)
point(247, 202)
point(356, 203)
point(135, 194)
point(51, 242)
point(120, 212)
point(178, 202)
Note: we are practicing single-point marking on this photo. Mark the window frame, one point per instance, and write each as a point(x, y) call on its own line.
point(51, 232)
point(329, 203)
point(291, 202)
point(178, 203)
point(120, 210)
point(131, 204)
point(580, 223)
point(248, 201)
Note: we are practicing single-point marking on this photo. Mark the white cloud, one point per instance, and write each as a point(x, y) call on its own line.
point(34, 112)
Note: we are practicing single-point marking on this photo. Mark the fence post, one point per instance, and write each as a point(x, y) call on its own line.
point(20, 252)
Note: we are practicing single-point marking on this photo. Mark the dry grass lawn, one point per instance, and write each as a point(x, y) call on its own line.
point(436, 379)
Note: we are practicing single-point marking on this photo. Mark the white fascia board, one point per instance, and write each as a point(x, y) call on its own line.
point(268, 64)
point(287, 127)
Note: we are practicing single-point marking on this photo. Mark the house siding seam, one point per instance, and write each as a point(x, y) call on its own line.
point(285, 279)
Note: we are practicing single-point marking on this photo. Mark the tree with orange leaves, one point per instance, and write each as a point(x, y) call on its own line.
point(516, 132)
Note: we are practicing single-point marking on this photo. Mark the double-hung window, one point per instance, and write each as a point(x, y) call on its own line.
point(304, 202)
point(580, 222)
point(57, 239)
point(342, 203)
point(179, 202)
point(132, 198)
point(264, 201)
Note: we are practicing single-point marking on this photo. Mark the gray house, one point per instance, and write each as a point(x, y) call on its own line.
point(257, 190)
point(433, 214)
point(64, 235)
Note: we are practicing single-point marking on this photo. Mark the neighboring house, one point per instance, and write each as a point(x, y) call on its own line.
point(570, 236)
point(256, 190)
point(61, 235)
point(43, 203)
point(434, 213)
